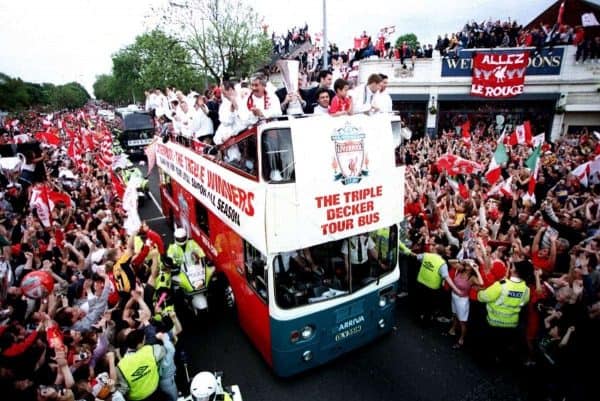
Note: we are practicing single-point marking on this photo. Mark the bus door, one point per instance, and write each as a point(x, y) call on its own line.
point(252, 302)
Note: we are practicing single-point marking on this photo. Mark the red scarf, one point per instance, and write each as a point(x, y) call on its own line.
point(250, 102)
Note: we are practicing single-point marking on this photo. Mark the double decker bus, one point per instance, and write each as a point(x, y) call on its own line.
point(300, 218)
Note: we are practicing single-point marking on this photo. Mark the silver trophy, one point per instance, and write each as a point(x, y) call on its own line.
point(290, 71)
point(11, 167)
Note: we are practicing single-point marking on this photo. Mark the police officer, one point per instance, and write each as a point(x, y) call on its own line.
point(184, 248)
point(433, 271)
point(137, 373)
point(504, 300)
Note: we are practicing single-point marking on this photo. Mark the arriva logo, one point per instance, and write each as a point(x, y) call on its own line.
point(351, 323)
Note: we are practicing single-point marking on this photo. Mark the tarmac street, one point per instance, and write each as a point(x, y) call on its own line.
point(411, 363)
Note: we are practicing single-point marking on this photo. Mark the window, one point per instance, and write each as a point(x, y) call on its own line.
point(330, 270)
point(202, 217)
point(277, 155)
point(242, 155)
point(255, 270)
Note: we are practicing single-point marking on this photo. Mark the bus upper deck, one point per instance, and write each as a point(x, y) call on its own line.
point(343, 170)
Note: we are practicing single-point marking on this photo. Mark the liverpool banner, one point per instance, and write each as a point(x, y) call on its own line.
point(499, 74)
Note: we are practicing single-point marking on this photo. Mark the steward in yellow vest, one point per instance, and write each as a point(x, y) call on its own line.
point(137, 371)
point(430, 274)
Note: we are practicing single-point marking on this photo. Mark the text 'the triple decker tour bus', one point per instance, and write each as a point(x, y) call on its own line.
point(300, 218)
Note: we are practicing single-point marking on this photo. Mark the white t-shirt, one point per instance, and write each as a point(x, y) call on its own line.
point(383, 101)
point(366, 243)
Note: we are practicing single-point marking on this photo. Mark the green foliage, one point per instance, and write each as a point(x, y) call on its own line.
point(153, 60)
point(69, 96)
point(410, 39)
point(224, 36)
point(16, 94)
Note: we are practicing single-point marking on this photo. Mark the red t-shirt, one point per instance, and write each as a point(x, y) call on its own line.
point(541, 263)
point(339, 104)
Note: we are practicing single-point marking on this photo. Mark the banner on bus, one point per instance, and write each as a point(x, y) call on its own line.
point(350, 183)
point(497, 75)
point(237, 201)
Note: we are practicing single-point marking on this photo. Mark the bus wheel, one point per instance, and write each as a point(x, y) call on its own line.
point(222, 299)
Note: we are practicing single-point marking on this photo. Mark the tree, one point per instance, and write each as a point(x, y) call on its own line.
point(69, 96)
point(16, 94)
point(224, 36)
point(410, 39)
point(153, 60)
point(13, 93)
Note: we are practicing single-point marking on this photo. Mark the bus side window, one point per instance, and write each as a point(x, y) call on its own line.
point(165, 180)
point(386, 243)
point(255, 270)
point(242, 155)
point(277, 155)
point(202, 217)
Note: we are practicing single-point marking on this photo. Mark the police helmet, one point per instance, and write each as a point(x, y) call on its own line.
point(180, 236)
point(203, 386)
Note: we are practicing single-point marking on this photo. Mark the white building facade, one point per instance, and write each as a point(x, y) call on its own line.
point(559, 95)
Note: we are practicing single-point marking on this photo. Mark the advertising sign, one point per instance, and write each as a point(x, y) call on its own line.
point(543, 63)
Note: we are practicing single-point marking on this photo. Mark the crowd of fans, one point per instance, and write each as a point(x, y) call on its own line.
point(69, 343)
point(282, 44)
point(506, 34)
point(86, 337)
point(484, 231)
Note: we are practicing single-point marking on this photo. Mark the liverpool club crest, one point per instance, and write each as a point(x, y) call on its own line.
point(350, 163)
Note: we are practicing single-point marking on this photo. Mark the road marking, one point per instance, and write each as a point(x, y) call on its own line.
point(155, 203)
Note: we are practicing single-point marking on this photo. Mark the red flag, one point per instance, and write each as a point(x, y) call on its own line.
point(499, 75)
point(117, 184)
point(521, 135)
point(55, 197)
point(50, 138)
point(466, 132)
point(39, 201)
point(151, 155)
point(454, 165)
point(561, 11)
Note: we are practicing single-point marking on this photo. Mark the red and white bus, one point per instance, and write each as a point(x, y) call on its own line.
point(300, 218)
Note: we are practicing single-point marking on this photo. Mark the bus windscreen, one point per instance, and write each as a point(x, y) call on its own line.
point(335, 268)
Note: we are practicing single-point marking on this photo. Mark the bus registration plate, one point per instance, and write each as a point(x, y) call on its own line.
point(349, 328)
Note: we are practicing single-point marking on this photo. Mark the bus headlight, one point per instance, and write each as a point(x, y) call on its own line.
point(307, 332)
point(382, 301)
point(294, 337)
point(307, 356)
point(381, 323)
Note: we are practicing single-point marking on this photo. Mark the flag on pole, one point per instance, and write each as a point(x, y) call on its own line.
point(581, 172)
point(151, 155)
point(465, 132)
point(495, 168)
point(538, 140)
point(561, 12)
point(459, 188)
point(521, 135)
point(533, 164)
point(39, 201)
point(454, 165)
